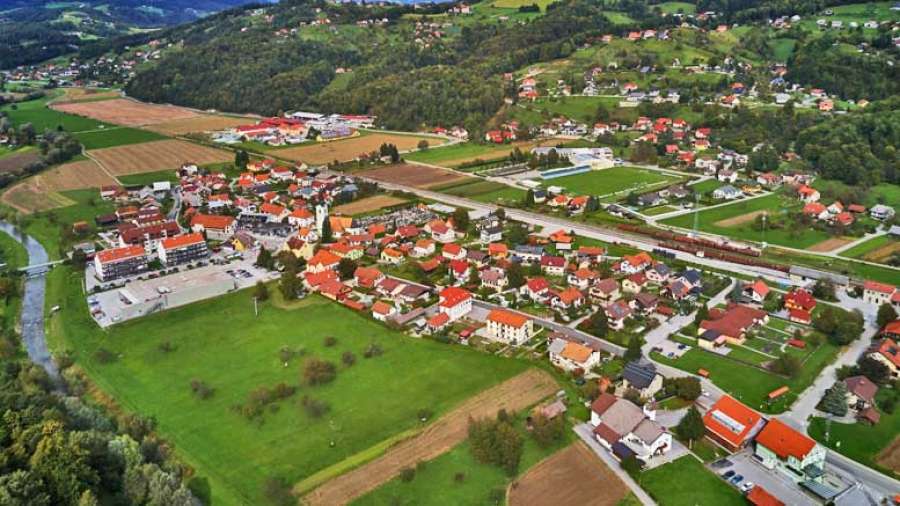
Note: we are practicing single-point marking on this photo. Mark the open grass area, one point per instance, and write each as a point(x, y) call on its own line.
point(116, 136)
point(775, 205)
point(685, 482)
point(846, 266)
point(618, 18)
point(751, 384)
point(14, 256)
point(370, 402)
point(864, 248)
point(677, 7)
point(515, 4)
point(45, 227)
point(612, 180)
point(861, 442)
point(43, 118)
point(465, 150)
point(435, 483)
point(149, 177)
point(485, 191)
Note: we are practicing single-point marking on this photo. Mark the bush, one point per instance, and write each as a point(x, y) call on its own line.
point(314, 407)
point(373, 350)
point(104, 356)
point(201, 389)
point(330, 341)
point(424, 414)
point(407, 474)
point(318, 372)
point(547, 431)
point(459, 477)
point(348, 358)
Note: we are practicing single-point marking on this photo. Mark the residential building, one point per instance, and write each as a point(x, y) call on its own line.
point(183, 249)
point(455, 302)
point(605, 290)
point(877, 293)
point(382, 311)
point(631, 264)
point(216, 227)
point(881, 212)
point(571, 356)
point(731, 424)
point(733, 323)
point(887, 352)
point(509, 327)
point(323, 260)
point(626, 430)
point(641, 375)
point(860, 392)
point(536, 289)
point(116, 263)
point(778, 446)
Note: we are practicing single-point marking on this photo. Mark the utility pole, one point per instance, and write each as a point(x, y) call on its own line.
point(255, 307)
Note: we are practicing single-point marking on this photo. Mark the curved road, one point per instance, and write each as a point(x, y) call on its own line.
point(33, 302)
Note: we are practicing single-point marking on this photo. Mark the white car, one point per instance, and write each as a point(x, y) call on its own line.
point(747, 486)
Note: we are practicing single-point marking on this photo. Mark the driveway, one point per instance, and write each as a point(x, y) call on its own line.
point(774, 482)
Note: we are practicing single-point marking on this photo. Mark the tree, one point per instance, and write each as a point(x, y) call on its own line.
point(788, 365)
point(496, 442)
point(423, 145)
point(529, 199)
point(326, 230)
point(461, 219)
point(691, 427)
point(702, 314)
point(346, 268)
point(886, 314)
point(515, 275)
point(835, 400)
point(875, 370)
point(241, 159)
point(824, 289)
point(546, 431)
point(633, 352)
point(264, 259)
point(261, 292)
point(289, 284)
point(318, 372)
point(600, 324)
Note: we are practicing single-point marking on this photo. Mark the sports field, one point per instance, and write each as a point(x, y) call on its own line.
point(370, 402)
point(344, 150)
point(737, 221)
point(613, 180)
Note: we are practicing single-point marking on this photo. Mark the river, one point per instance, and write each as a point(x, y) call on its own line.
point(33, 302)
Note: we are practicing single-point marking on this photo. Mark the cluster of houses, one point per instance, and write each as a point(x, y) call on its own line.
point(836, 213)
point(296, 128)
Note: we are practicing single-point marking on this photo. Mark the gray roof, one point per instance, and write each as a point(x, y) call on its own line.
point(557, 346)
point(639, 374)
point(623, 416)
point(806, 272)
point(648, 431)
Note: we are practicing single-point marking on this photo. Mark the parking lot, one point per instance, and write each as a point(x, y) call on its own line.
point(672, 349)
point(744, 466)
point(139, 297)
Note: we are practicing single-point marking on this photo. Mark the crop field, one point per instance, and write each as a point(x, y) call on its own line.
point(43, 191)
point(368, 205)
point(878, 249)
point(732, 221)
point(155, 156)
point(43, 118)
point(370, 404)
point(457, 154)
point(685, 482)
point(418, 176)
point(613, 180)
point(27, 198)
point(115, 136)
point(120, 111)
point(572, 476)
point(18, 160)
point(450, 430)
point(345, 150)
point(87, 94)
point(201, 123)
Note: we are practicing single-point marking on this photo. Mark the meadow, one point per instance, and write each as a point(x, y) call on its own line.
point(116, 136)
point(43, 118)
point(484, 191)
point(685, 482)
point(373, 401)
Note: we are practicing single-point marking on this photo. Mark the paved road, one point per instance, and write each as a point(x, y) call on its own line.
point(585, 432)
point(32, 320)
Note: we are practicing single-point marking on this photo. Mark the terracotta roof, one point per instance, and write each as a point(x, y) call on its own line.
point(801, 298)
point(889, 350)
point(731, 420)
point(892, 327)
point(509, 318)
point(861, 387)
point(570, 295)
point(758, 496)
point(602, 403)
point(735, 321)
point(759, 286)
point(576, 352)
point(453, 295)
point(214, 221)
point(181, 241)
point(875, 286)
point(606, 433)
point(439, 320)
point(273, 209)
point(784, 441)
point(324, 257)
point(381, 307)
point(117, 254)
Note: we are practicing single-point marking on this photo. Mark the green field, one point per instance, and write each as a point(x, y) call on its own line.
point(864, 248)
point(149, 177)
point(45, 227)
point(485, 191)
point(370, 402)
point(676, 7)
point(515, 4)
point(618, 18)
point(685, 482)
point(116, 136)
point(612, 180)
point(459, 151)
point(435, 485)
point(782, 49)
point(861, 442)
point(43, 118)
point(750, 384)
point(775, 205)
point(14, 255)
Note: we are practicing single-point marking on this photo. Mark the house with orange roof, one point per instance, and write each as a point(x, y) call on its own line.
point(631, 264)
point(887, 352)
point(323, 260)
point(453, 251)
point(756, 291)
point(367, 277)
point(808, 194)
point(301, 217)
point(731, 424)
point(182, 249)
point(571, 356)
point(381, 310)
point(391, 256)
point(733, 323)
point(498, 250)
point(877, 293)
point(440, 231)
point(274, 212)
point(116, 263)
point(217, 227)
point(509, 327)
point(779, 446)
point(423, 248)
point(758, 496)
point(562, 239)
point(582, 278)
point(570, 297)
point(455, 302)
point(346, 250)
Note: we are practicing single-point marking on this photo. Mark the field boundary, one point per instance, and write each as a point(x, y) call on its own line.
point(448, 431)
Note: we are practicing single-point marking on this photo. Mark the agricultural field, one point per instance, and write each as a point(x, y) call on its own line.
point(120, 111)
point(43, 118)
point(344, 150)
point(67, 208)
point(515, 4)
point(877, 446)
point(201, 123)
point(737, 221)
point(418, 176)
point(685, 482)
point(115, 136)
point(484, 191)
point(87, 94)
point(457, 154)
point(14, 161)
point(236, 455)
point(368, 204)
point(878, 249)
point(614, 180)
point(155, 156)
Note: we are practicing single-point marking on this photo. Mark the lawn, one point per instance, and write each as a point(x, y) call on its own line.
point(774, 204)
point(43, 118)
point(686, 482)
point(783, 48)
point(751, 384)
point(116, 136)
point(434, 483)
point(613, 180)
point(707, 186)
point(861, 442)
point(618, 18)
point(370, 402)
point(677, 7)
point(45, 227)
point(484, 191)
point(149, 177)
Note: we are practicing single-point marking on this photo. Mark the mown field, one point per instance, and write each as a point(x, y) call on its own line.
point(484, 191)
point(370, 402)
point(685, 482)
point(116, 136)
point(43, 118)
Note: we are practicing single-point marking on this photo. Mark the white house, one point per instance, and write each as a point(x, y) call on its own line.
point(455, 302)
point(508, 327)
point(778, 446)
point(619, 422)
point(569, 355)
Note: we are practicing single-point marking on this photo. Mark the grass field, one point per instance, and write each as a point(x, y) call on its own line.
point(149, 177)
point(370, 402)
point(48, 233)
point(458, 153)
point(14, 255)
point(868, 247)
point(676, 7)
point(685, 482)
point(612, 180)
point(750, 384)
point(43, 118)
point(712, 221)
point(618, 18)
point(119, 136)
point(484, 191)
point(862, 443)
point(515, 4)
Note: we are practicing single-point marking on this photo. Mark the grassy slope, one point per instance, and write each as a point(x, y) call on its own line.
point(685, 482)
point(239, 353)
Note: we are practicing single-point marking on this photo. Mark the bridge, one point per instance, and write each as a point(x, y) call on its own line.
point(39, 269)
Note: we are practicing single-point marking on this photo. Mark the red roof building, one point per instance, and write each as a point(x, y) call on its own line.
point(758, 496)
point(784, 441)
point(731, 424)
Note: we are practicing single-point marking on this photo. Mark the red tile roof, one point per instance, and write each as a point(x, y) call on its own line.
point(117, 254)
point(324, 257)
point(758, 496)
point(800, 298)
point(784, 441)
point(453, 296)
point(182, 241)
point(504, 317)
point(875, 286)
point(603, 402)
point(734, 411)
point(213, 221)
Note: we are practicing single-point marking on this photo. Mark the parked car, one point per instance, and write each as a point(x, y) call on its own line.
point(728, 474)
point(737, 479)
point(747, 487)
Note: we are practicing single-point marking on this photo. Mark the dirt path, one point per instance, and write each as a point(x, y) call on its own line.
point(451, 429)
point(830, 244)
point(890, 456)
point(739, 220)
point(570, 476)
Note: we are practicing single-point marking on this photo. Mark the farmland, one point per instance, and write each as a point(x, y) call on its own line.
point(457, 154)
point(483, 191)
point(235, 454)
point(155, 156)
point(17, 160)
point(777, 207)
point(201, 123)
point(343, 150)
point(116, 136)
point(368, 205)
point(43, 118)
point(120, 111)
point(878, 249)
point(419, 176)
point(613, 180)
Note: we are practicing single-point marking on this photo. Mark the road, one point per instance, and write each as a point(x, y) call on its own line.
point(585, 432)
point(32, 319)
